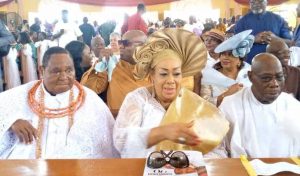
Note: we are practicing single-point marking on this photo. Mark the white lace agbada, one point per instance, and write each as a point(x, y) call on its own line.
point(89, 137)
point(262, 130)
point(139, 113)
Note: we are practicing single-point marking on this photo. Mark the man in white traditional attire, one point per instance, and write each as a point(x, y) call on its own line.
point(264, 120)
point(66, 31)
point(55, 117)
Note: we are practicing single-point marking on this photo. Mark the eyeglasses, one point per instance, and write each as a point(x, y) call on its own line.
point(124, 42)
point(176, 159)
point(127, 43)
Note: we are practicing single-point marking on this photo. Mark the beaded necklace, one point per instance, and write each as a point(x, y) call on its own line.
point(39, 108)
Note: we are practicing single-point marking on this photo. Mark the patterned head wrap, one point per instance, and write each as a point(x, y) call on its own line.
point(171, 43)
point(215, 33)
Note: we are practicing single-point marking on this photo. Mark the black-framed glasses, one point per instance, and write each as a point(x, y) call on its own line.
point(158, 159)
point(124, 43)
point(127, 43)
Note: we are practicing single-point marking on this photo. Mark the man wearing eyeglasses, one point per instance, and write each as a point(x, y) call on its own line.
point(264, 24)
point(122, 81)
point(292, 74)
point(264, 120)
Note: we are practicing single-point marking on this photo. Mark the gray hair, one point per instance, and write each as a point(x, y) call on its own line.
point(115, 34)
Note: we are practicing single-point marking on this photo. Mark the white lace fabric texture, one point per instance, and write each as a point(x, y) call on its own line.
point(89, 137)
point(139, 113)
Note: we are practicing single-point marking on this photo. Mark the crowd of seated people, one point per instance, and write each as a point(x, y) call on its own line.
point(128, 95)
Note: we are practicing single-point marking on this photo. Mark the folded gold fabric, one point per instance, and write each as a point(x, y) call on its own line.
point(210, 124)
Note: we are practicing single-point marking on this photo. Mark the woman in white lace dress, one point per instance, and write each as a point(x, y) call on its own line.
point(230, 74)
point(168, 56)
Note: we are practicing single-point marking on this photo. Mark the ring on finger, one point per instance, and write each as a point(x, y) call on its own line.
point(181, 140)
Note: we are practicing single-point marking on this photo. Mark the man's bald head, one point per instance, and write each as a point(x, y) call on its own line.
point(267, 77)
point(133, 35)
point(263, 60)
point(280, 49)
point(135, 38)
point(97, 40)
point(97, 43)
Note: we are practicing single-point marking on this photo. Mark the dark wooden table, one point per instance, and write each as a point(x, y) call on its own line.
point(113, 167)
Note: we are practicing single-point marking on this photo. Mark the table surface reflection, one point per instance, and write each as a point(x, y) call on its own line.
point(114, 167)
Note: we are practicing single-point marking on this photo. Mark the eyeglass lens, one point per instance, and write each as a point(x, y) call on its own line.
point(178, 159)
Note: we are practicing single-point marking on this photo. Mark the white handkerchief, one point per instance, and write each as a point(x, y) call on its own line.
point(262, 168)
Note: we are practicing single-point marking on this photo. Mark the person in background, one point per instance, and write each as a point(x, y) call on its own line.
point(110, 56)
point(193, 26)
point(113, 44)
point(168, 23)
point(264, 120)
point(56, 117)
point(66, 31)
point(95, 26)
point(151, 31)
point(221, 26)
point(291, 74)
point(212, 39)
point(36, 27)
point(165, 58)
point(179, 23)
point(231, 24)
point(96, 78)
point(28, 62)
point(82, 57)
point(122, 81)
point(124, 27)
point(296, 35)
point(136, 22)
point(106, 29)
point(225, 22)
point(6, 38)
point(42, 46)
point(88, 31)
point(230, 74)
point(264, 24)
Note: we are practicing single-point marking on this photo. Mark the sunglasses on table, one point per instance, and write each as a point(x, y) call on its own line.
point(159, 159)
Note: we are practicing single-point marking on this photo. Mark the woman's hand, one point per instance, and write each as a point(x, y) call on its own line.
point(233, 89)
point(177, 132)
